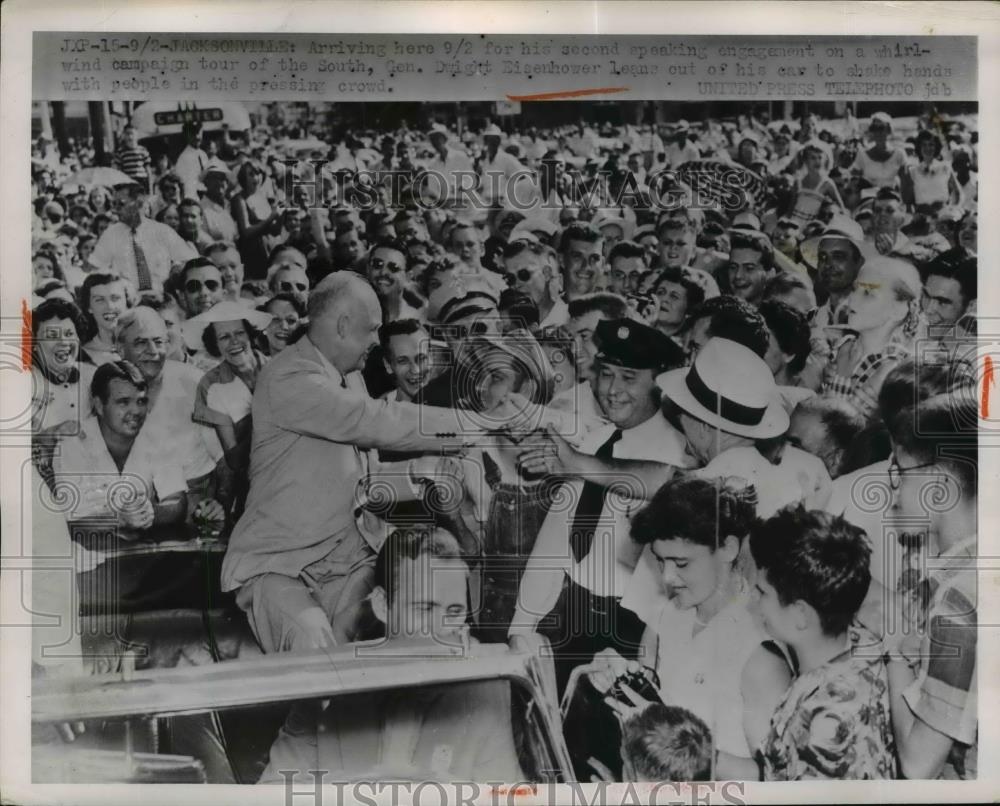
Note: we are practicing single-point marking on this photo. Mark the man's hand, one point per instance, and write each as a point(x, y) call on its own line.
point(883, 243)
point(552, 457)
point(139, 515)
point(209, 516)
point(609, 666)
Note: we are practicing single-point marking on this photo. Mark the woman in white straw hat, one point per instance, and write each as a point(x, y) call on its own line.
point(229, 331)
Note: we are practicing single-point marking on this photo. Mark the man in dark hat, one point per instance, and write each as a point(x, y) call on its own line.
point(583, 558)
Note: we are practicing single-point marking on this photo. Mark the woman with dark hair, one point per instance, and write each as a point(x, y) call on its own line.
point(44, 267)
point(257, 220)
point(170, 215)
point(702, 639)
point(59, 381)
point(676, 295)
point(788, 349)
point(104, 298)
point(930, 184)
point(229, 331)
point(287, 313)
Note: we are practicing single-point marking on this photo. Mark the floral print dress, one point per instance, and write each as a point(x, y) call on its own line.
point(834, 722)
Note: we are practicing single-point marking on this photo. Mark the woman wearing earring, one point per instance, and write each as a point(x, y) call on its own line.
point(883, 315)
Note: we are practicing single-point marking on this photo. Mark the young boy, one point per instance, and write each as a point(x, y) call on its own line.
point(666, 743)
point(834, 721)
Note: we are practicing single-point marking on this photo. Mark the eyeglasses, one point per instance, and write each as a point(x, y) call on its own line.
point(194, 286)
point(288, 287)
point(896, 471)
point(521, 275)
point(378, 264)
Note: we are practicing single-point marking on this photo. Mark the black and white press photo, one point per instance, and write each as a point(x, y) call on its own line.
point(503, 411)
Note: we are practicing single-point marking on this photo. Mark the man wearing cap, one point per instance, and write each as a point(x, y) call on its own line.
point(888, 216)
point(218, 223)
point(471, 311)
point(838, 254)
point(447, 163)
point(141, 251)
point(497, 169)
point(583, 558)
point(680, 149)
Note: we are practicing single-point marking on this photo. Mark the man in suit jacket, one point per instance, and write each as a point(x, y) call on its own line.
point(298, 557)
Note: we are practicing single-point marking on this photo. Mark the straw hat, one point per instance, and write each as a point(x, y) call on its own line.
point(840, 226)
point(226, 311)
point(730, 387)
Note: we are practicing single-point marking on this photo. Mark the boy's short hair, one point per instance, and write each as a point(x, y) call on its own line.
point(667, 743)
point(611, 305)
point(397, 327)
point(943, 430)
point(409, 544)
point(817, 558)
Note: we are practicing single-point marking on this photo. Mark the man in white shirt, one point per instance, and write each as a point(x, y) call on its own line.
point(447, 164)
point(218, 222)
point(139, 250)
point(191, 162)
point(142, 339)
point(497, 171)
point(530, 273)
point(572, 587)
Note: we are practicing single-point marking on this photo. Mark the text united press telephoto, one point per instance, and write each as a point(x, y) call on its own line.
point(506, 409)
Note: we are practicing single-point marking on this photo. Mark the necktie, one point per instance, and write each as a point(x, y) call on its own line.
point(141, 265)
point(588, 509)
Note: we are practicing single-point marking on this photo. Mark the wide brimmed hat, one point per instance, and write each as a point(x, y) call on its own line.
point(492, 131)
point(217, 166)
point(729, 387)
point(226, 311)
point(840, 226)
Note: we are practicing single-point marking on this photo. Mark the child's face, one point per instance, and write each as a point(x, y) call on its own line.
point(780, 622)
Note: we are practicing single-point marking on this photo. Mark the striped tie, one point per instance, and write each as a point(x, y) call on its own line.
point(141, 265)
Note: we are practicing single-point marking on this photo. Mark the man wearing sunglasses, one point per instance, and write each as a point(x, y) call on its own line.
point(388, 275)
point(200, 286)
point(290, 278)
point(529, 272)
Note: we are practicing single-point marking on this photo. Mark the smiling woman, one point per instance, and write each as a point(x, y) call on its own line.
point(230, 331)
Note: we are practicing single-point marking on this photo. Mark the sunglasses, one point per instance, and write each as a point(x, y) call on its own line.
point(522, 275)
point(289, 287)
point(194, 286)
point(378, 264)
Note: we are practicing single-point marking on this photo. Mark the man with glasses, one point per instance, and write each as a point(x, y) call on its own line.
point(581, 258)
point(628, 263)
point(387, 274)
point(932, 665)
point(529, 272)
point(289, 278)
point(200, 286)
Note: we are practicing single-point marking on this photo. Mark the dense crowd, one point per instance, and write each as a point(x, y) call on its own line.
point(635, 384)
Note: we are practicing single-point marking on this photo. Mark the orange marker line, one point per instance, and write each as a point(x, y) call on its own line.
point(984, 402)
point(25, 336)
point(555, 96)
